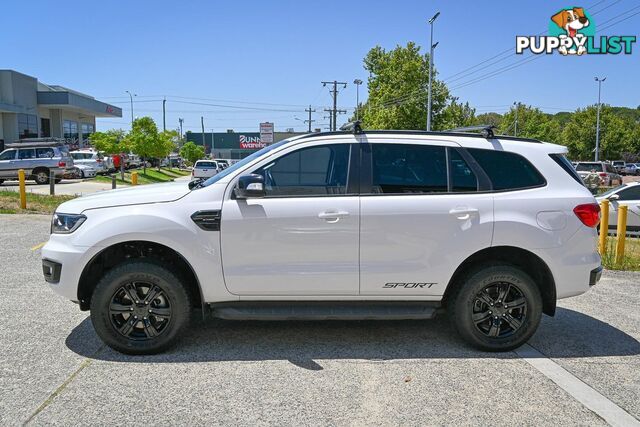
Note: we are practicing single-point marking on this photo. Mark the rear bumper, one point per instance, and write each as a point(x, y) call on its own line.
point(594, 276)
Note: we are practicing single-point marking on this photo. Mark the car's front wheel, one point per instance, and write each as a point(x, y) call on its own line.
point(140, 307)
point(497, 308)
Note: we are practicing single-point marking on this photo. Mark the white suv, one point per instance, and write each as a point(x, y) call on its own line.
point(371, 225)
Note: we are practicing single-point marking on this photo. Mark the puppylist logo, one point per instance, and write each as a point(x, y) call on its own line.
point(572, 31)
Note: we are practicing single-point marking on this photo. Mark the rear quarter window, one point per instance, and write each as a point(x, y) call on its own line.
point(565, 164)
point(506, 170)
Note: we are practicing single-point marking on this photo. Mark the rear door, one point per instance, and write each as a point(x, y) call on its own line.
point(26, 159)
point(421, 215)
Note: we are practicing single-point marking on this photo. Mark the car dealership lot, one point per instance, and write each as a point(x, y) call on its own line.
point(53, 368)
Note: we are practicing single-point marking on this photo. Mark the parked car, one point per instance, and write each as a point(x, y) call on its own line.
point(619, 166)
point(608, 176)
point(205, 169)
point(223, 163)
point(37, 159)
point(337, 226)
point(93, 159)
point(632, 169)
point(624, 195)
point(132, 161)
point(86, 171)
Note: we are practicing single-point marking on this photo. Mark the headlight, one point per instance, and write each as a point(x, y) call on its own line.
point(66, 223)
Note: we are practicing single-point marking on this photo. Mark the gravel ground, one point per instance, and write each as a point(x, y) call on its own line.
point(54, 369)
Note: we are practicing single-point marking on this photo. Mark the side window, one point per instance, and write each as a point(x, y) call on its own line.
point(26, 153)
point(8, 155)
point(506, 170)
point(462, 177)
point(609, 168)
point(405, 168)
point(314, 171)
point(632, 193)
point(44, 153)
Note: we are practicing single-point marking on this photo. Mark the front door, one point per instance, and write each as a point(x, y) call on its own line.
point(8, 167)
point(421, 216)
point(629, 197)
point(302, 238)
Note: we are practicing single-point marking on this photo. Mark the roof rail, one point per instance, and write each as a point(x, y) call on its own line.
point(419, 132)
point(486, 130)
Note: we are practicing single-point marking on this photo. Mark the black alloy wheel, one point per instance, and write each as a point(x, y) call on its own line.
point(140, 310)
point(499, 310)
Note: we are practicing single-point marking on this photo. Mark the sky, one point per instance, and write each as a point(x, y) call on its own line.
point(238, 63)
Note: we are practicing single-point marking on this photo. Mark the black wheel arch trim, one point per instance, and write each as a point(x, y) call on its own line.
point(85, 304)
point(529, 262)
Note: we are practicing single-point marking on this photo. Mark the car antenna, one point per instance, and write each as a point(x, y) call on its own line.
point(487, 130)
point(354, 127)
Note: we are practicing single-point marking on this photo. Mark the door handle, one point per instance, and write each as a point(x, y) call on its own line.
point(333, 216)
point(463, 213)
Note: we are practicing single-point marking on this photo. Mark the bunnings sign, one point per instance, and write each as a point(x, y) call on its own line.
point(251, 142)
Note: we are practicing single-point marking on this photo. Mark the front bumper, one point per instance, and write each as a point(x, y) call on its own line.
point(62, 266)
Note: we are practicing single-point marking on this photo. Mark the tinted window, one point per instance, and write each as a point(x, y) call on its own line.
point(587, 167)
point(28, 153)
point(44, 153)
point(319, 170)
point(205, 165)
point(462, 177)
point(631, 193)
point(8, 155)
point(400, 169)
point(565, 164)
point(507, 171)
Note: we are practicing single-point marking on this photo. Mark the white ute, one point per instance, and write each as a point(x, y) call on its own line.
point(362, 225)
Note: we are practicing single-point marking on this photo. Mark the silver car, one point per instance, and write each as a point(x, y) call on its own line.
point(608, 175)
point(625, 195)
point(37, 159)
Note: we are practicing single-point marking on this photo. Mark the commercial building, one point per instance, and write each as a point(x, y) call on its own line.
point(234, 145)
point(31, 109)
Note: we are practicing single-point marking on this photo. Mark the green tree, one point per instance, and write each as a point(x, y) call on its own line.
point(398, 81)
point(166, 144)
point(456, 115)
point(532, 123)
point(109, 142)
point(616, 134)
point(192, 152)
point(144, 139)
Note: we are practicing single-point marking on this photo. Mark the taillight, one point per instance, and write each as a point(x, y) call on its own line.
point(589, 214)
point(602, 174)
point(62, 164)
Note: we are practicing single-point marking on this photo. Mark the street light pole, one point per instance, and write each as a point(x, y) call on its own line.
point(430, 70)
point(599, 80)
point(357, 82)
point(515, 124)
point(131, 98)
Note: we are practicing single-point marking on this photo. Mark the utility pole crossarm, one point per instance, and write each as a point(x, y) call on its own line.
point(309, 110)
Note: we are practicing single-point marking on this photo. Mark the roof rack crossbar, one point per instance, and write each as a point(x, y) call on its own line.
point(354, 127)
point(486, 130)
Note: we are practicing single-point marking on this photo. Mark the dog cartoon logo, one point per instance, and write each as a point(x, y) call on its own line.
point(572, 31)
point(572, 21)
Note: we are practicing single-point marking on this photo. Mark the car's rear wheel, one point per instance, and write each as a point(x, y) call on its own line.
point(41, 176)
point(140, 307)
point(497, 308)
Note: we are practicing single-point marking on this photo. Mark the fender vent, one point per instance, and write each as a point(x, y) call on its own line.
point(207, 220)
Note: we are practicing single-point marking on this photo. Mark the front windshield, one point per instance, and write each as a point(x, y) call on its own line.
point(231, 169)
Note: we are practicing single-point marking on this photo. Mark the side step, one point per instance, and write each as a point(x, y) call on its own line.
point(325, 310)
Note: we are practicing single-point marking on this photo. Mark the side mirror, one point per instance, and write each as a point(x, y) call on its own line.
point(250, 186)
point(614, 197)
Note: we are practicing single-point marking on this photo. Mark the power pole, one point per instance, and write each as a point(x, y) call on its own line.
point(330, 111)
point(164, 114)
point(515, 124)
point(204, 143)
point(309, 110)
point(334, 93)
point(599, 80)
point(180, 120)
point(433, 46)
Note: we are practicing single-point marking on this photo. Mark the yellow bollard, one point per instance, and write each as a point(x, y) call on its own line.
point(621, 233)
point(134, 178)
point(604, 226)
point(23, 190)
